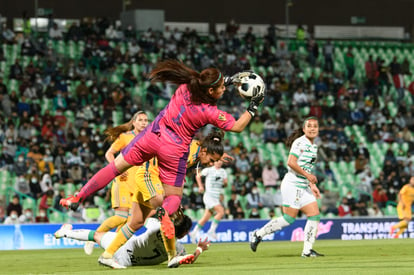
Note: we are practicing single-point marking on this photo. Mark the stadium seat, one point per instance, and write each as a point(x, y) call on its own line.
point(264, 213)
point(190, 212)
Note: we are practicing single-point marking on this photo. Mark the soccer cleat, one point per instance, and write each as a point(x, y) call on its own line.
point(392, 231)
point(179, 260)
point(88, 247)
point(70, 202)
point(254, 242)
point(63, 230)
point(312, 253)
point(193, 236)
point(110, 262)
point(167, 225)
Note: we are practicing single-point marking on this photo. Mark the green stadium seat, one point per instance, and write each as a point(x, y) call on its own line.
point(264, 213)
point(191, 213)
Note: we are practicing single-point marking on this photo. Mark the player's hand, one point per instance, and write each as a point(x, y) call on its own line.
point(236, 78)
point(204, 244)
point(255, 101)
point(226, 158)
point(124, 176)
point(315, 191)
point(201, 189)
point(312, 179)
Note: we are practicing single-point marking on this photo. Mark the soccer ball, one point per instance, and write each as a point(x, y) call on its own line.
point(249, 83)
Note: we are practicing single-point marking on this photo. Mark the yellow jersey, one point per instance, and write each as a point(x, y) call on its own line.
point(193, 153)
point(407, 194)
point(120, 143)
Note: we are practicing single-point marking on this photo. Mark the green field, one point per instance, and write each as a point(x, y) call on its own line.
point(342, 257)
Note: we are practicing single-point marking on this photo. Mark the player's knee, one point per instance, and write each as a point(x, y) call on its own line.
point(289, 219)
point(171, 203)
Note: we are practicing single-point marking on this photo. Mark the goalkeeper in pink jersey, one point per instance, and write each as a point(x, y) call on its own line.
point(192, 106)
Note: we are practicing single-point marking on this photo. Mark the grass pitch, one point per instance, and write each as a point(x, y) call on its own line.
point(342, 257)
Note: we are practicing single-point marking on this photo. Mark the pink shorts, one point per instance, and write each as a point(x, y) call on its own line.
point(172, 156)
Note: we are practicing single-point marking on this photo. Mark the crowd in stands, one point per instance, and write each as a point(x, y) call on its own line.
point(55, 105)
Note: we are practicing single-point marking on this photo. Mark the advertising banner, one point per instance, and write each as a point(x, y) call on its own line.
point(40, 236)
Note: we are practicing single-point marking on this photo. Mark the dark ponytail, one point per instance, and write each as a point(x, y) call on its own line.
point(198, 83)
point(297, 133)
point(214, 142)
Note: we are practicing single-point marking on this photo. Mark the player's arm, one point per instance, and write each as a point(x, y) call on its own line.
point(401, 200)
point(225, 181)
point(110, 154)
point(293, 164)
point(201, 247)
point(199, 182)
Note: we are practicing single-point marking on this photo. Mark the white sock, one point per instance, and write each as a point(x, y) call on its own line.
point(272, 226)
point(311, 229)
point(78, 234)
point(213, 226)
point(196, 229)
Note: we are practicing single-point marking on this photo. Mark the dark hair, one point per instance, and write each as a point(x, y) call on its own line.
point(115, 132)
point(213, 142)
point(298, 132)
point(198, 83)
point(182, 226)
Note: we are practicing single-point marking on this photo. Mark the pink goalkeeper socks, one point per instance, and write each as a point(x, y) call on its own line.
point(99, 180)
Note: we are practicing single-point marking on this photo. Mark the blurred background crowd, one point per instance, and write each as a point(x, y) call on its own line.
point(60, 90)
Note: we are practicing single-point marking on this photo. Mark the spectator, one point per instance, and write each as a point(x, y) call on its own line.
point(42, 216)
point(379, 196)
point(254, 213)
point(270, 176)
point(360, 164)
point(47, 200)
point(349, 62)
point(13, 218)
point(375, 211)
point(344, 210)
point(254, 199)
point(27, 216)
point(256, 128)
point(196, 199)
point(328, 52)
point(239, 213)
point(242, 164)
point(329, 202)
point(14, 205)
point(268, 197)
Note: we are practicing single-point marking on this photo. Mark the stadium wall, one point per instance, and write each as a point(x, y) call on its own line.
point(40, 236)
point(316, 12)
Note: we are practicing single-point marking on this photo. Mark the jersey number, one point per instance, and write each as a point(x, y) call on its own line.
point(176, 120)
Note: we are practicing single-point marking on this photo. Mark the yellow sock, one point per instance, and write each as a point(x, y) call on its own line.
point(169, 245)
point(122, 236)
point(402, 225)
point(112, 222)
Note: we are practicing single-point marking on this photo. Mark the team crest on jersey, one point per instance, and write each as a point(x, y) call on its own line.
point(222, 117)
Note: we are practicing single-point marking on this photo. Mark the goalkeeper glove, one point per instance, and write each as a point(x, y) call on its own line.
point(255, 101)
point(236, 78)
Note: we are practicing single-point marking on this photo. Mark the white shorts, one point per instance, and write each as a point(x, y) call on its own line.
point(210, 202)
point(296, 197)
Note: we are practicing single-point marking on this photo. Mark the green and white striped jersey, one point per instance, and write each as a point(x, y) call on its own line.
point(306, 152)
point(214, 180)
